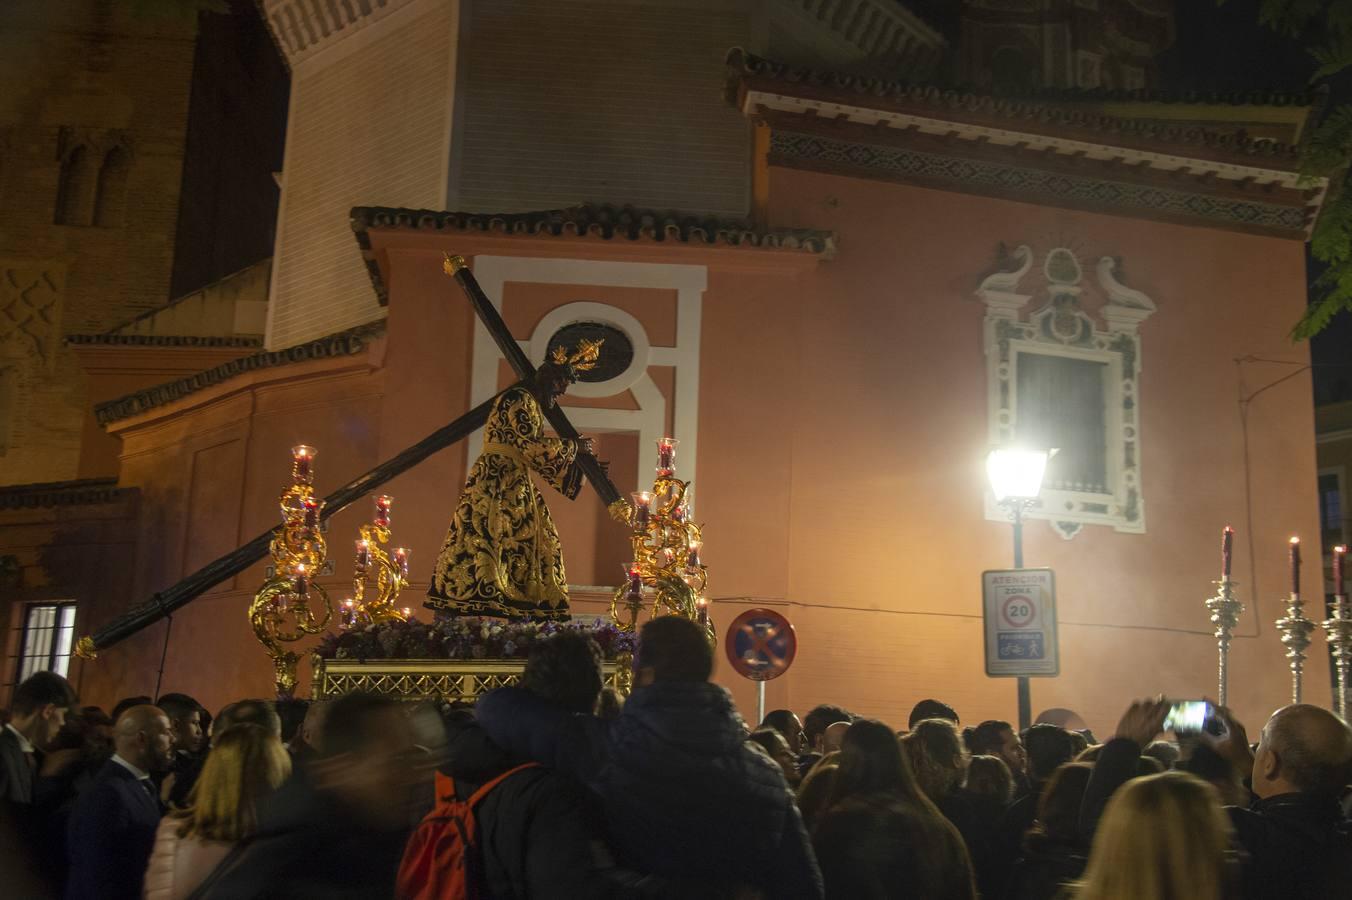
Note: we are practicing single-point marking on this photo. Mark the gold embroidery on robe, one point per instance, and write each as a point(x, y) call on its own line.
point(502, 556)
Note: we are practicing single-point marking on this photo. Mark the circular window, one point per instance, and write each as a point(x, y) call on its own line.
point(617, 351)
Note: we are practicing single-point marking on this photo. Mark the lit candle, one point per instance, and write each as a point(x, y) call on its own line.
point(692, 558)
point(1295, 566)
point(642, 509)
point(349, 613)
point(702, 606)
point(666, 455)
point(401, 560)
point(1227, 547)
point(408, 613)
point(635, 582)
point(383, 510)
point(1339, 552)
point(363, 556)
point(301, 458)
point(311, 513)
point(302, 580)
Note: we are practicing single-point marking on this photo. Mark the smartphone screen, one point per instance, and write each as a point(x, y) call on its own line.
point(1187, 716)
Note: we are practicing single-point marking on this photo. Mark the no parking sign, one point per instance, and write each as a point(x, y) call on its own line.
point(761, 644)
point(1019, 607)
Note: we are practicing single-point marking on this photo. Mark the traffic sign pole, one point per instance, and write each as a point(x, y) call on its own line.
point(760, 702)
point(1024, 684)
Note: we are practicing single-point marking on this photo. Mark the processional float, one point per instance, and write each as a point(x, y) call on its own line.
point(291, 606)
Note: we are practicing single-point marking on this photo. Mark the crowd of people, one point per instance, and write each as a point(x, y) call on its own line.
point(557, 788)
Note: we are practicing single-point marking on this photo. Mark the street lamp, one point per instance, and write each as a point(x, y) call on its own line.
point(1016, 479)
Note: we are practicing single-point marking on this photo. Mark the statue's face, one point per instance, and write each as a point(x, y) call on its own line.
point(553, 382)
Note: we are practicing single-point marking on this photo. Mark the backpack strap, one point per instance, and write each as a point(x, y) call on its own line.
point(489, 785)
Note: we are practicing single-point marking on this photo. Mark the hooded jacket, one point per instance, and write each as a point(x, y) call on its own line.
point(683, 794)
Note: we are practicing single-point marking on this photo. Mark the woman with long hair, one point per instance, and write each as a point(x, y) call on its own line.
point(880, 837)
point(1161, 837)
point(246, 763)
point(1053, 852)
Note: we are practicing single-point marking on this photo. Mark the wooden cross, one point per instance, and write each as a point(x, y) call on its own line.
point(488, 314)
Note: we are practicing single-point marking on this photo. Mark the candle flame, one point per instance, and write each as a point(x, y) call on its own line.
point(1340, 549)
point(300, 568)
point(349, 603)
point(1229, 530)
point(1295, 540)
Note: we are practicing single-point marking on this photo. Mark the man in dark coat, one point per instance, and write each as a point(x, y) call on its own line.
point(339, 832)
point(684, 795)
point(539, 833)
point(1297, 841)
point(37, 711)
point(112, 828)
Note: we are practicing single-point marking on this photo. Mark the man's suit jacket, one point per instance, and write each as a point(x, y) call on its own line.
point(16, 775)
point(110, 837)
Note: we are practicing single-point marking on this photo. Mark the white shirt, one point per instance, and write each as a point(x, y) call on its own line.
point(140, 774)
point(24, 743)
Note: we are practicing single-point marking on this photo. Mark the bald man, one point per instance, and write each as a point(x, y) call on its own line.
point(1298, 841)
point(112, 827)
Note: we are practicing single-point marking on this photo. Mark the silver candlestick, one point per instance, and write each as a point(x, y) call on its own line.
point(1295, 629)
point(1225, 612)
point(1339, 631)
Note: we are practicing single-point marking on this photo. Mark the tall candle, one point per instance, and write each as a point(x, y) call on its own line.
point(363, 556)
point(1339, 552)
point(311, 513)
point(702, 605)
point(692, 558)
point(349, 613)
point(383, 510)
point(1295, 565)
point(635, 582)
point(1227, 549)
point(401, 560)
point(302, 580)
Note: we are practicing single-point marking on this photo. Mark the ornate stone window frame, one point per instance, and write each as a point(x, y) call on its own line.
point(1060, 327)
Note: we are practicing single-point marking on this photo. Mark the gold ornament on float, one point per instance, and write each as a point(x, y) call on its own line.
point(281, 611)
point(388, 570)
point(667, 547)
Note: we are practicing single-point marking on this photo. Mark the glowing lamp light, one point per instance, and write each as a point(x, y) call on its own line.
point(1016, 473)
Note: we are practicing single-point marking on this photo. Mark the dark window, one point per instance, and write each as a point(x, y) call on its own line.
point(1331, 508)
point(1059, 405)
point(111, 200)
point(48, 633)
point(616, 353)
point(75, 190)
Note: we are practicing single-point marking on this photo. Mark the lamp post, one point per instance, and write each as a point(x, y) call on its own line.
point(1016, 479)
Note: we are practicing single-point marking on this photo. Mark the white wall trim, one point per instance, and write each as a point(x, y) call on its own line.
point(648, 421)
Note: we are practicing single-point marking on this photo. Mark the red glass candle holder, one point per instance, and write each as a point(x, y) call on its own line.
point(401, 555)
point(363, 556)
point(383, 510)
point(302, 464)
point(666, 455)
point(643, 507)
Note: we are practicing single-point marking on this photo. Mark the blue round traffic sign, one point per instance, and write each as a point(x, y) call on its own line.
point(761, 644)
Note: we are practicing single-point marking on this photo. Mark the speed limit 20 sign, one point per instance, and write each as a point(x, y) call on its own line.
point(1019, 607)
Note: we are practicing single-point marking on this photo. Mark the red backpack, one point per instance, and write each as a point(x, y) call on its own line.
point(442, 860)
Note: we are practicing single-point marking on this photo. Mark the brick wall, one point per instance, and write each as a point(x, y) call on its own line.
point(79, 71)
point(611, 102)
point(370, 119)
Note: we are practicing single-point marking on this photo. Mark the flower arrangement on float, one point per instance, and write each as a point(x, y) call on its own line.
point(465, 638)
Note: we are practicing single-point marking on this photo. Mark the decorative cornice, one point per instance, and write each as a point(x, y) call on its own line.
point(302, 27)
point(1063, 113)
point(603, 222)
point(344, 343)
point(84, 492)
point(160, 340)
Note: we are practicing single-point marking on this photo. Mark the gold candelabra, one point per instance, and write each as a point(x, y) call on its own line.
point(281, 612)
point(666, 545)
point(386, 572)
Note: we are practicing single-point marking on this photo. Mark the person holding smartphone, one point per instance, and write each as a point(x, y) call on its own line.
point(1296, 839)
